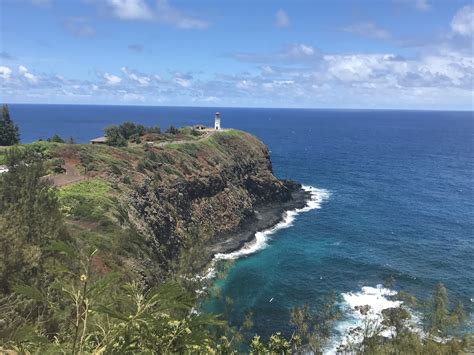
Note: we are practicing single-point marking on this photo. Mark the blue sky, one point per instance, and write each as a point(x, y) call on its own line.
point(414, 54)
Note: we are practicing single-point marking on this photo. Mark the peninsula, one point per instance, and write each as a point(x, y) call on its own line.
point(207, 188)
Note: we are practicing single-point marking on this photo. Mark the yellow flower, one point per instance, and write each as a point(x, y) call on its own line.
point(83, 278)
point(173, 323)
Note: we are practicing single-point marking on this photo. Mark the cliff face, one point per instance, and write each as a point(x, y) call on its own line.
point(205, 190)
point(209, 190)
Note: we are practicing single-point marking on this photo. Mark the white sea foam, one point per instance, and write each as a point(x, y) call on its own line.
point(317, 197)
point(351, 328)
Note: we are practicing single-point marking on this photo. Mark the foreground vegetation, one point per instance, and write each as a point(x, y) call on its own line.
point(68, 288)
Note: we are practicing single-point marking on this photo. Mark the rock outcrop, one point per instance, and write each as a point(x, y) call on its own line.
point(205, 191)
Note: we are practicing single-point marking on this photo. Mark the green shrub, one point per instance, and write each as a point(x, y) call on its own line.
point(172, 130)
point(115, 169)
point(56, 139)
point(89, 199)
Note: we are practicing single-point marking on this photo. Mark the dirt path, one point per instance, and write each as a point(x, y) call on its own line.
point(72, 175)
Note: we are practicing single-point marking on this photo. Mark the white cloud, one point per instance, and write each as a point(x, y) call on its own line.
point(112, 79)
point(297, 51)
point(31, 78)
point(267, 70)
point(245, 85)
point(130, 9)
point(206, 99)
point(420, 5)
point(463, 21)
point(140, 79)
point(368, 29)
point(185, 83)
point(133, 97)
point(167, 14)
point(276, 84)
point(438, 77)
point(162, 12)
point(5, 72)
point(24, 72)
point(282, 19)
point(290, 53)
point(22, 69)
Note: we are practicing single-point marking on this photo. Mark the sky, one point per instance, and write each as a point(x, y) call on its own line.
point(386, 54)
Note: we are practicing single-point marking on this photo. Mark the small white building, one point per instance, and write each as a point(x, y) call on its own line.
point(217, 121)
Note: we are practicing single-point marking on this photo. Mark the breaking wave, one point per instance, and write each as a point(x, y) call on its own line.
point(363, 311)
point(317, 197)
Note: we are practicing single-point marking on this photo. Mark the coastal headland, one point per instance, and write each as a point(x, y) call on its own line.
point(211, 190)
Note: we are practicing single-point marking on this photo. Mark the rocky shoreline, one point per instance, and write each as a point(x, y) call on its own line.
point(265, 217)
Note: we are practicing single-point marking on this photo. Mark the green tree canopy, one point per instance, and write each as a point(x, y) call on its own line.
point(56, 138)
point(9, 133)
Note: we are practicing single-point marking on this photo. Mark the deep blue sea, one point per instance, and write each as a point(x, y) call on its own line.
point(401, 199)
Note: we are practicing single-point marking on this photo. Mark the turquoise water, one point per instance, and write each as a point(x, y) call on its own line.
point(401, 199)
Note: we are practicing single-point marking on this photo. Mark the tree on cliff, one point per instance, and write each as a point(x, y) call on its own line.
point(9, 133)
point(114, 137)
point(29, 218)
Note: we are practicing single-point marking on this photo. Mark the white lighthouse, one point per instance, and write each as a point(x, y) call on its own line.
point(217, 122)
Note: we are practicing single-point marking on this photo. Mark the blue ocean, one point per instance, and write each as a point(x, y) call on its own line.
point(396, 193)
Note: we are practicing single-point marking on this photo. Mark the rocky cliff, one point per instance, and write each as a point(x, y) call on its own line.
point(208, 191)
point(142, 204)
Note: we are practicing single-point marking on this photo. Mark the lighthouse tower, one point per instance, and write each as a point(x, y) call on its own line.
point(217, 122)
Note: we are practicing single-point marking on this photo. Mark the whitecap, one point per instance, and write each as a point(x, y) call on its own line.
point(317, 197)
point(351, 328)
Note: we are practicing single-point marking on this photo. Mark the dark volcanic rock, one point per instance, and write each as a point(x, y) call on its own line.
point(220, 194)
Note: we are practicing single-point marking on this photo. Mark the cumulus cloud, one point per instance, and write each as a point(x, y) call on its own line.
point(162, 12)
point(299, 50)
point(136, 77)
point(463, 21)
point(439, 75)
point(267, 70)
point(24, 72)
point(282, 19)
point(368, 29)
point(5, 72)
point(111, 79)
